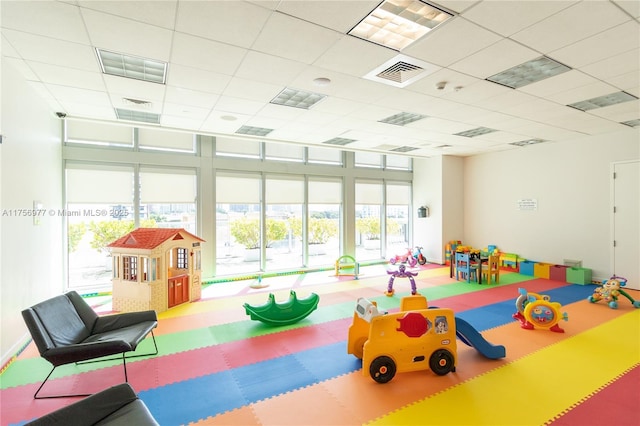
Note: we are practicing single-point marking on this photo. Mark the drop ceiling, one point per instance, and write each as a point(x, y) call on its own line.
point(227, 60)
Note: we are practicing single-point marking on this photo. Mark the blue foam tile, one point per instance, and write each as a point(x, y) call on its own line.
point(194, 399)
point(266, 379)
point(329, 361)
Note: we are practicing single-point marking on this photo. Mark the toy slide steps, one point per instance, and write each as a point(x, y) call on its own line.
point(472, 337)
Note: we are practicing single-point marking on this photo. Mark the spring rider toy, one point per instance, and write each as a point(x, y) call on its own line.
point(537, 310)
point(401, 272)
point(610, 290)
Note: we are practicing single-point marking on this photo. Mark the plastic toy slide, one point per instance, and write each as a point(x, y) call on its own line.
point(471, 337)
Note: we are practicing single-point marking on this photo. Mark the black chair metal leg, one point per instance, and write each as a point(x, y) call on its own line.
point(35, 395)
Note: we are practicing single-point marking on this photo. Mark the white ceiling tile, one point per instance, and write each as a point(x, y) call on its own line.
point(47, 18)
point(583, 92)
point(496, 58)
point(450, 42)
point(65, 94)
point(196, 79)
point(474, 93)
point(571, 25)
point(183, 111)
point(238, 106)
point(180, 122)
point(509, 17)
point(159, 13)
point(252, 90)
point(42, 90)
point(136, 89)
point(340, 58)
point(632, 7)
point(269, 68)
point(22, 67)
point(132, 38)
point(282, 112)
point(629, 82)
point(206, 54)
point(457, 6)
point(620, 112)
point(614, 41)
point(52, 51)
point(337, 15)
point(616, 65)
point(80, 109)
point(179, 95)
point(558, 83)
point(216, 124)
point(310, 40)
point(65, 76)
point(219, 20)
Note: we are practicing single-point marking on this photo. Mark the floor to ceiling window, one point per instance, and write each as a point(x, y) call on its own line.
point(284, 197)
point(398, 201)
point(99, 210)
point(324, 220)
point(368, 220)
point(238, 225)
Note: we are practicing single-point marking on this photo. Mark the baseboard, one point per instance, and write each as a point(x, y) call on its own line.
point(15, 350)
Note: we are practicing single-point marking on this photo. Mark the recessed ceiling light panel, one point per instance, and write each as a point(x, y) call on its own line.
point(632, 123)
point(339, 141)
point(297, 98)
point(132, 66)
point(402, 118)
point(404, 149)
point(603, 101)
point(398, 23)
point(529, 72)
point(141, 116)
point(527, 142)
point(478, 131)
point(253, 131)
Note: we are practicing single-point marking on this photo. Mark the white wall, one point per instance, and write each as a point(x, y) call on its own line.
point(571, 183)
point(31, 261)
point(438, 184)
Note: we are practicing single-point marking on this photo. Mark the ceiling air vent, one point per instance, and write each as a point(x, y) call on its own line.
point(401, 71)
point(138, 103)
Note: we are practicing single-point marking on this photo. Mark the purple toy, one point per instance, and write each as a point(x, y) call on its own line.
point(401, 272)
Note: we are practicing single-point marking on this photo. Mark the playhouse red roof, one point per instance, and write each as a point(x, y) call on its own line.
point(150, 238)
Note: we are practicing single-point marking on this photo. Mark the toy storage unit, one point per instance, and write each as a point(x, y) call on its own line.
point(509, 260)
point(541, 270)
point(449, 250)
point(558, 273)
point(527, 267)
point(579, 275)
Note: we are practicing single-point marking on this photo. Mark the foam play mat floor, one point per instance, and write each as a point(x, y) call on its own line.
point(218, 367)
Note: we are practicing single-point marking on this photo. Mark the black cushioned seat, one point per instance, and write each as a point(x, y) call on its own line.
point(115, 406)
point(66, 329)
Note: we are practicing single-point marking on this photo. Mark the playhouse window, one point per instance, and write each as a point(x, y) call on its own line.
point(130, 268)
point(182, 260)
point(116, 266)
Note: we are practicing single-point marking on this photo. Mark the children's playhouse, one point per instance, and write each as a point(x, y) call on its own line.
point(155, 268)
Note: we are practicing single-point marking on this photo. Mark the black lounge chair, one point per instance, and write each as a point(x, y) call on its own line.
point(115, 406)
point(66, 330)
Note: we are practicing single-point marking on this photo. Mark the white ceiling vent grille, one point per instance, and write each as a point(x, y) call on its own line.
point(401, 71)
point(137, 103)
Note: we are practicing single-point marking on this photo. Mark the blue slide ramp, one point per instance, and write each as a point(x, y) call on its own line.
point(472, 337)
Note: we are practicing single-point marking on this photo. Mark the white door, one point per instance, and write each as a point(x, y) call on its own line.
point(626, 222)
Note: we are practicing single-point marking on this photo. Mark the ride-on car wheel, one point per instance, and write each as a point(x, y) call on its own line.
point(441, 362)
point(382, 369)
point(422, 260)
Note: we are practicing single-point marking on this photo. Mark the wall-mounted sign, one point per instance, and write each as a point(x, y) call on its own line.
point(528, 204)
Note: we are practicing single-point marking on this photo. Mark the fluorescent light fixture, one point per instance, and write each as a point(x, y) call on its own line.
point(132, 67)
point(398, 23)
point(603, 101)
point(404, 149)
point(297, 98)
point(339, 141)
point(402, 118)
point(141, 116)
point(253, 131)
point(529, 72)
point(632, 123)
point(527, 142)
point(475, 132)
